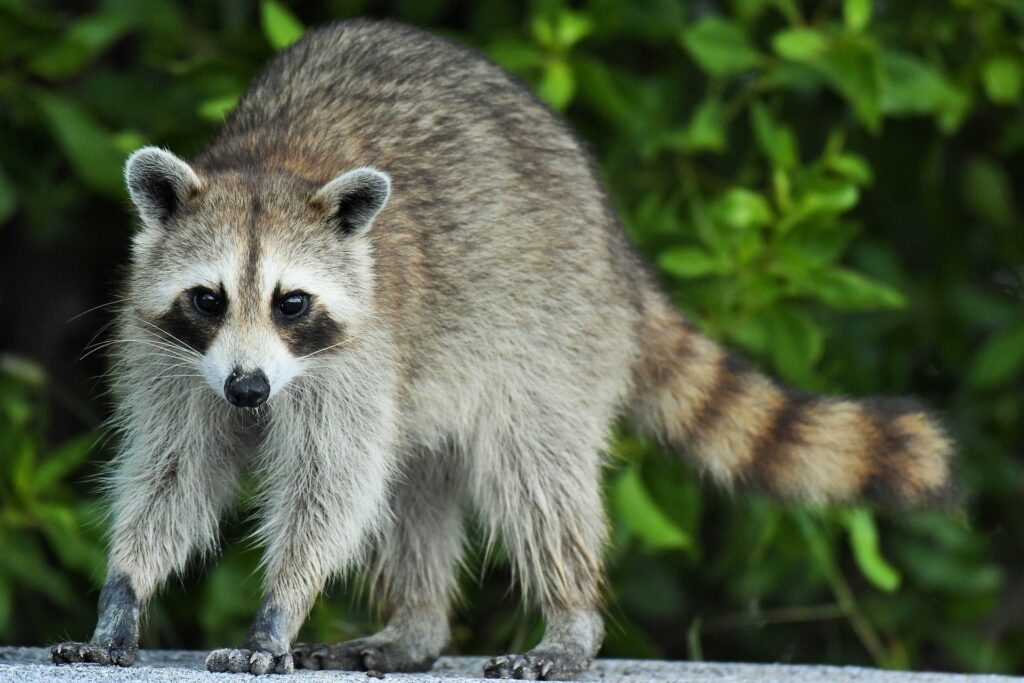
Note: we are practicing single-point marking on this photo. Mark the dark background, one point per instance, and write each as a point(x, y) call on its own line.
point(831, 187)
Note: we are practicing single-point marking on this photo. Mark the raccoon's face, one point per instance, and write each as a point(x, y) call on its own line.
point(256, 280)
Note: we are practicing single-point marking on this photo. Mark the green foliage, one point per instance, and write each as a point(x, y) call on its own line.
point(642, 515)
point(827, 186)
point(280, 26)
point(41, 518)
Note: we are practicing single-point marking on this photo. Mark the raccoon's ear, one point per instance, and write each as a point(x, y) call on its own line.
point(353, 199)
point(159, 183)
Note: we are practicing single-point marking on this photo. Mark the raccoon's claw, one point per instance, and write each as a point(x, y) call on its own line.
point(72, 653)
point(242, 661)
point(361, 654)
point(319, 657)
point(534, 667)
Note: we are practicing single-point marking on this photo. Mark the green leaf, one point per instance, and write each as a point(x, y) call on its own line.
point(1000, 360)
point(689, 262)
point(825, 197)
point(816, 246)
point(560, 32)
point(857, 14)
point(53, 516)
point(988, 191)
point(82, 43)
point(720, 47)
point(704, 132)
point(800, 44)
point(127, 141)
point(778, 141)
point(913, 87)
point(642, 515)
point(558, 84)
point(853, 167)
point(215, 109)
point(280, 27)
point(796, 342)
point(63, 532)
point(832, 196)
point(62, 461)
point(24, 560)
point(853, 69)
point(676, 492)
point(847, 290)
point(611, 94)
point(17, 411)
point(860, 525)
point(86, 144)
point(742, 208)
point(751, 333)
point(22, 468)
point(543, 30)
point(1003, 78)
point(516, 56)
point(571, 27)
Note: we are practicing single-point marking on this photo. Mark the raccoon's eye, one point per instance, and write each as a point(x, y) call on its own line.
point(207, 303)
point(293, 305)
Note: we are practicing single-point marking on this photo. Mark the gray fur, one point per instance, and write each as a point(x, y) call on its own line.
point(482, 323)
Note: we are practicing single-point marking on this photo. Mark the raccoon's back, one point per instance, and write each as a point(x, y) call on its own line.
point(421, 107)
point(497, 224)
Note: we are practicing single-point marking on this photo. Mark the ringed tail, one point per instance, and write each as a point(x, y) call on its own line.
point(746, 429)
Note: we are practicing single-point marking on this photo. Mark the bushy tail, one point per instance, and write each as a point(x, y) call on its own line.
point(744, 428)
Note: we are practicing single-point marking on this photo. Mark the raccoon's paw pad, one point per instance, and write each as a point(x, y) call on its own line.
point(536, 667)
point(242, 661)
point(72, 653)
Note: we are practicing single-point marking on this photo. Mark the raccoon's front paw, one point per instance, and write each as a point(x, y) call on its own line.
point(372, 653)
point(242, 661)
point(536, 666)
point(72, 653)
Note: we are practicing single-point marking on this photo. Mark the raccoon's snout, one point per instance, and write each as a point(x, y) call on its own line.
point(247, 390)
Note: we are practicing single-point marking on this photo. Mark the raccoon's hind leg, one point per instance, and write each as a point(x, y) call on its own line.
point(543, 497)
point(414, 575)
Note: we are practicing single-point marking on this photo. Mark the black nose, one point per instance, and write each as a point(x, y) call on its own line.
point(247, 389)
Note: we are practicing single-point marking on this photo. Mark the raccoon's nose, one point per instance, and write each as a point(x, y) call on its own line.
point(247, 390)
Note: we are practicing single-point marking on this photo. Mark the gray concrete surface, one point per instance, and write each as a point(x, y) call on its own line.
point(32, 664)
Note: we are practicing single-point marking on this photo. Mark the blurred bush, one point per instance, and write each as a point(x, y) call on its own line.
point(831, 187)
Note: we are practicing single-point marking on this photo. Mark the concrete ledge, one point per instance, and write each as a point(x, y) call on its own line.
point(31, 664)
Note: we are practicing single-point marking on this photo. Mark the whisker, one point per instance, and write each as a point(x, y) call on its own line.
point(95, 308)
point(168, 334)
point(326, 348)
point(174, 350)
point(102, 329)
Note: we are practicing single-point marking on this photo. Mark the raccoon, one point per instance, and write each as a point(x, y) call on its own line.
point(394, 288)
